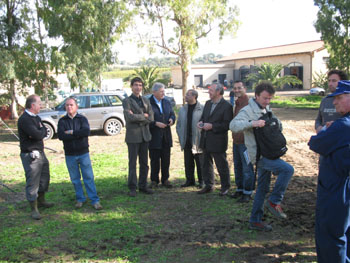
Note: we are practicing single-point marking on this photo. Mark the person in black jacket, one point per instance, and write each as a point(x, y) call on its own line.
point(31, 132)
point(159, 146)
point(73, 130)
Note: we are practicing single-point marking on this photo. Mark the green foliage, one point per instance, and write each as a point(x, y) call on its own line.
point(309, 101)
point(271, 72)
point(333, 22)
point(209, 58)
point(149, 76)
point(320, 80)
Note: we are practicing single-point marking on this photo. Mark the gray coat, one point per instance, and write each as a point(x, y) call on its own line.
point(181, 127)
point(137, 125)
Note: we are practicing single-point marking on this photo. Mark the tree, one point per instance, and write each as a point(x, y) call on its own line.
point(271, 72)
point(88, 30)
point(333, 22)
point(190, 20)
point(149, 76)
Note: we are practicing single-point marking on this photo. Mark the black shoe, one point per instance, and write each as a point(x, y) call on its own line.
point(153, 185)
point(244, 199)
point(187, 184)
point(236, 195)
point(224, 191)
point(205, 190)
point(146, 191)
point(132, 193)
point(167, 184)
point(200, 185)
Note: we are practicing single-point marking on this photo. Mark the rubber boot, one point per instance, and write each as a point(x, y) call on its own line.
point(35, 212)
point(42, 202)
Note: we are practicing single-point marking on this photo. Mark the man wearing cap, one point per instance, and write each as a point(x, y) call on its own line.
point(332, 229)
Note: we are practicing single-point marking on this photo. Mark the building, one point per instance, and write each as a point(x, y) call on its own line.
point(300, 59)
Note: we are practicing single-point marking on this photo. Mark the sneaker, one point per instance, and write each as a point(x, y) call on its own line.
point(97, 206)
point(260, 226)
point(236, 195)
point(78, 205)
point(167, 184)
point(276, 210)
point(132, 193)
point(224, 192)
point(244, 199)
point(146, 191)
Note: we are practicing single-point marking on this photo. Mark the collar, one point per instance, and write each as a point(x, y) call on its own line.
point(258, 104)
point(30, 113)
point(71, 116)
point(138, 98)
point(157, 101)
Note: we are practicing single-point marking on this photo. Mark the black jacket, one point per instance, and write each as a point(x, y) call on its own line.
point(76, 143)
point(157, 133)
point(31, 132)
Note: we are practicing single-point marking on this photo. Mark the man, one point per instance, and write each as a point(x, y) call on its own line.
point(327, 113)
point(159, 146)
point(31, 132)
point(189, 137)
point(138, 115)
point(332, 229)
point(214, 124)
point(246, 120)
point(244, 172)
point(73, 129)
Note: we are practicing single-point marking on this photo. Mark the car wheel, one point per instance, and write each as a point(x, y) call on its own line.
point(50, 131)
point(112, 127)
point(322, 93)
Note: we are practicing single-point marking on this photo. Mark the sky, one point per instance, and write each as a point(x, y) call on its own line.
point(264, 23)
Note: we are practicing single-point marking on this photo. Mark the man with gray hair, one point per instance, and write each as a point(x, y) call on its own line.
point(214, 124)
point(161, 142)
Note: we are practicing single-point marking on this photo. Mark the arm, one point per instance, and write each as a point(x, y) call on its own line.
point(318, 121)
point(84, 130)
point(130, 115)
point(241, 122)
point(224, 124)
point(61, 131)
point(32, 130)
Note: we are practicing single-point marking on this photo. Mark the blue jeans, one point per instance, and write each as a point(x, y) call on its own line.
point(81, 165)
point(284, 172)
point(244, 173)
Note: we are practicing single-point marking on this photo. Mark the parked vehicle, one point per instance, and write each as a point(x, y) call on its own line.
point(104, 111)
point(317, 91)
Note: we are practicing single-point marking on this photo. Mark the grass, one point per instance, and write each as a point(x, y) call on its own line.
point(304, 102)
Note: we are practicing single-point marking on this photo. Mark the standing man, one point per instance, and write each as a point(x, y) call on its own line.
point(332, 229)
point(31, 132)
point(138, 115)
point(327, 112)
point(214, 124)
point(246, 120)
point(189, 137)
point(73, 129)
point(159, 146)
point(244, 171)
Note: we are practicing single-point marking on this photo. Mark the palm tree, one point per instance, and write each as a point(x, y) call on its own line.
point(149, 75)
point(271, 72)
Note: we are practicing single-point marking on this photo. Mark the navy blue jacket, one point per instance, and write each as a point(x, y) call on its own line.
point(76, 143)
point(157, 133)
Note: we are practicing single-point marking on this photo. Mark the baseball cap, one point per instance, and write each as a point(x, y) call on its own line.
point(342, 88)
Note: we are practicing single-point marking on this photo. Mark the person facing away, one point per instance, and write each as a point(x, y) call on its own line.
point(246, 120)
point(332, 228)
point(31, 132)
point(189, 137)
point(214, 125)
point(73, 129)
point(244, 171)
point(138, 115)
point(161, 142)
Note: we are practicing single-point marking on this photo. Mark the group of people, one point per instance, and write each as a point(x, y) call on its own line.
point(203, 135)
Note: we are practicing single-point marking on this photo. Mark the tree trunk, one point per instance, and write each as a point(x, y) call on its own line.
point(185, 70)
point(13, 107)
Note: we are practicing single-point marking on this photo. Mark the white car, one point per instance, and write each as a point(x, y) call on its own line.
point(317, 91)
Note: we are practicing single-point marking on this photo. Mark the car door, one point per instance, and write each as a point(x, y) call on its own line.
point(97, 111)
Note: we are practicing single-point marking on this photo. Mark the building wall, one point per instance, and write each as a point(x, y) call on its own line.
point(319, 62)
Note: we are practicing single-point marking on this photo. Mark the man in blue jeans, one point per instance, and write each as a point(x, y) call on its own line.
point(73, 130)
point(246, 120)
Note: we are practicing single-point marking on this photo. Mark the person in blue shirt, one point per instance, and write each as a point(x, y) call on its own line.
point(332, 229)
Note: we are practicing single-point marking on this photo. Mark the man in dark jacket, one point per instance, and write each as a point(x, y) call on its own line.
point(138, 115)
point(214, 123)
point(159, 146)
point(73, 130)
point(31, 132)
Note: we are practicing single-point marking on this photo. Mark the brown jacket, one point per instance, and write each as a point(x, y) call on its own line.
point(238, 138)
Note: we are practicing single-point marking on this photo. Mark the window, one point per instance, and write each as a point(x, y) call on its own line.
point(114, 99)
point(98, 101)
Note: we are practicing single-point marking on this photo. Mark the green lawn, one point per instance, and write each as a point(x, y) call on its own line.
point(309, 101)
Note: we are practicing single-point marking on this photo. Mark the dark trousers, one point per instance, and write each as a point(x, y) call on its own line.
point(160, 158)
point(221, 165)
point(140, 150)
point(37, 175)
point(190, 161)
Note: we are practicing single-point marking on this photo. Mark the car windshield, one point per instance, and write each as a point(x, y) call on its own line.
point(82, 103)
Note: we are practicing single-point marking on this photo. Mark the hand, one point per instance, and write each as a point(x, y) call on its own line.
point(130, 111)
point(68, 132)
point(171, 122)
point(200, 125)
point(258, 123)
point(319, 128)
point(160, 125)
point(329, 123)
point(207, 126)
point(146, 115)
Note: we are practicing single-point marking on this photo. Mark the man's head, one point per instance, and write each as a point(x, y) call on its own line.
point(333, 77)
point(33, 104)
point(239, 89)
point(342, 97)
point(71, 106)
point(191, 96)
point(136, 85)
point(264, 93)
point(158, 90)
point(216, 91)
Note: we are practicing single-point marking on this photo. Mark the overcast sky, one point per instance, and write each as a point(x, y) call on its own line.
point(265, 23)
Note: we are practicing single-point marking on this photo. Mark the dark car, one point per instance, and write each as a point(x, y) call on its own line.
point(104, 111)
